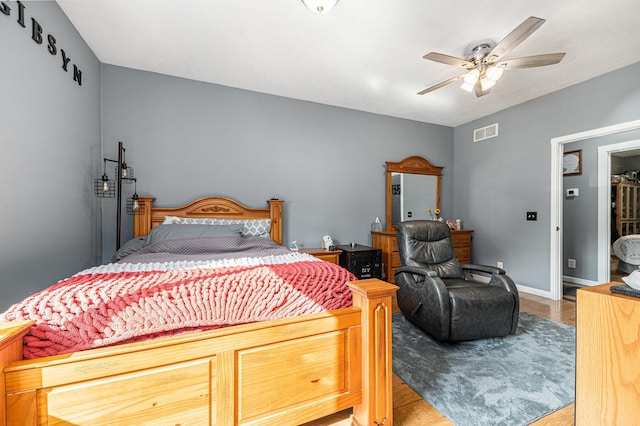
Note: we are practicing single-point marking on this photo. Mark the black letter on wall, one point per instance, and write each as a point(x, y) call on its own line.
point(77, 75)
point(52, 45)
point(21, 14)
point(65, 60)
point(36, 31)
point(5, 9)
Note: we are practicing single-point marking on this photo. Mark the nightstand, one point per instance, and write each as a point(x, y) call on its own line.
point(332, 256)
point(363, 261)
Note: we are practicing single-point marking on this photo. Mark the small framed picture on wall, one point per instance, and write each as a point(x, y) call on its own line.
point(572, 163)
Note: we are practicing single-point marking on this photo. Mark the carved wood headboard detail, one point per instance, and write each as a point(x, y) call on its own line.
point(214, 207)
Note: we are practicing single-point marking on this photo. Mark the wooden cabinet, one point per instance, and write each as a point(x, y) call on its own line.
point(388, 243)
point(626, 199)
point(607, 357)
point(462, 245)
point(332, 256)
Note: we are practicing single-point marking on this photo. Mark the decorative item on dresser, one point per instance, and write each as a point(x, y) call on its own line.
point(411, 179)
point(332, 256)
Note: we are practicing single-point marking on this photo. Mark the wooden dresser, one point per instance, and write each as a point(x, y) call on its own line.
point(387, 242)
point(607, 357)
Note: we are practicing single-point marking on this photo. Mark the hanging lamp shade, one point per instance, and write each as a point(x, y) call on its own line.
point(104, 187)
point(127, 173)
point(134, 205)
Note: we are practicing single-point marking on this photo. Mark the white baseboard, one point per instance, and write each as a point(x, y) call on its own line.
point(580, 281)
point(522, 288)
point(535, 291)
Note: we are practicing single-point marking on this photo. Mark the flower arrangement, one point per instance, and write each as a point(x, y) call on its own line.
point(435, 215)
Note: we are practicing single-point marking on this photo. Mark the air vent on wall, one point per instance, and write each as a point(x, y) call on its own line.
point(485, 132)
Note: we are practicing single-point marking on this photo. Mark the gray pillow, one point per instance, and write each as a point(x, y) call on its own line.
point(178, 231)
point(128, 248)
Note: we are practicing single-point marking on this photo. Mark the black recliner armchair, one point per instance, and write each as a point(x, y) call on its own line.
point(439, 295)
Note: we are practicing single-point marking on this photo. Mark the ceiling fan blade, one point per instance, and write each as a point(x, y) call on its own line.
point(533, 61)
point(449, 60)
point(478, 89)
point(516, 37)
point(442, 84)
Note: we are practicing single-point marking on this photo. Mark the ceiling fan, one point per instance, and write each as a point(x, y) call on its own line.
point(484, 66)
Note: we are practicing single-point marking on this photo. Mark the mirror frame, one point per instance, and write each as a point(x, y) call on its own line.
point(414, 165)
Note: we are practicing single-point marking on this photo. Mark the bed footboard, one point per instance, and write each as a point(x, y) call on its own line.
point(287, 371)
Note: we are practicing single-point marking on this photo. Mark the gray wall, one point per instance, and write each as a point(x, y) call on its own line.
point(498, 180)
point(189, 139)
point(50, 148)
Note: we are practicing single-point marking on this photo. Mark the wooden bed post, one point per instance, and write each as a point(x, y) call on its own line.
point(142, 221)
point(11, 334)
point(275, 206)
point(373, 297)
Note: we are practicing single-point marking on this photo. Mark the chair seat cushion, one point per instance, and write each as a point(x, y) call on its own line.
point(479, 310)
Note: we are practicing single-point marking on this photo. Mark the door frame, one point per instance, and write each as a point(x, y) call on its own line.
point(557, 148)
point(604, 203)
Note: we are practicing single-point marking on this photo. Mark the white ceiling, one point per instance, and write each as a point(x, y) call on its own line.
point(365, 54)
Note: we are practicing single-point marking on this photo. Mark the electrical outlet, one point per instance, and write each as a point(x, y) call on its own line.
point(500, 265)
point(571, 263)
point(532, 215)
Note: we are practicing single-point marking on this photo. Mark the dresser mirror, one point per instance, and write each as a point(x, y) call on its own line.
point(413, 187)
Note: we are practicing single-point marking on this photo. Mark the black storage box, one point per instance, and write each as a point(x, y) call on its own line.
point(363, 261)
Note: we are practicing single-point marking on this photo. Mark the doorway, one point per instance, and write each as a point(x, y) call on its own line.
point(557, 149)
point(605, 155)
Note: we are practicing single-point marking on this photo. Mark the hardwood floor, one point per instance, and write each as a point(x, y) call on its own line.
point(409, 409)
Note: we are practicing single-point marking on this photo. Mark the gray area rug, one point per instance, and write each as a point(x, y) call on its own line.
point(503, 381)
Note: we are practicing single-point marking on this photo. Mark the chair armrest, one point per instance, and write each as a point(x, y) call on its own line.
point(414, 270)
point(432, 283)
point(424, 299)
point(483, 268)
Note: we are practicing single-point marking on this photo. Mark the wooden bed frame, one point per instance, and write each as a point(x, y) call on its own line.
point(287, 371)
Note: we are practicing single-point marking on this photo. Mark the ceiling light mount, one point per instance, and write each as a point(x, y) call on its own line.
point(479, 53)
point(320, 7)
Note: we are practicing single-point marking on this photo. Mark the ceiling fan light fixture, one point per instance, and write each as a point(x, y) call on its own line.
point(487, 83)
point(470, 79)
point(467, 87)
point(472, 76)
point(494, 72)
point(320, 6)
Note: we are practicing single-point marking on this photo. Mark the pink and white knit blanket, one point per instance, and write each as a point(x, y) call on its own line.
point(123, 303)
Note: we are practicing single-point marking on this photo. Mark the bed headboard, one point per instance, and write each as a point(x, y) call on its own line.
point(213, 207)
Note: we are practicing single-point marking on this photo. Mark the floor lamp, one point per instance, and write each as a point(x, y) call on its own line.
point(109, 188)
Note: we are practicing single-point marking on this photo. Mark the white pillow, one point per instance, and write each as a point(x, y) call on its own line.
point(171, 220)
